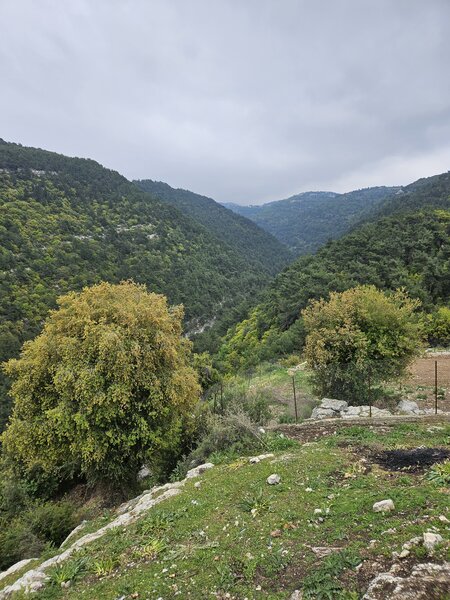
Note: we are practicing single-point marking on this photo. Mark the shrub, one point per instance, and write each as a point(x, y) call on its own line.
point(52, 521)
point(104, 386)
point(438, 327)
point(359, 335)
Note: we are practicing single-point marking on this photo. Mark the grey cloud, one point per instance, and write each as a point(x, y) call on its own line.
point(242, 100)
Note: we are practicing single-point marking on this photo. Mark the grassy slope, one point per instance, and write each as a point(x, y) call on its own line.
point(207, 543)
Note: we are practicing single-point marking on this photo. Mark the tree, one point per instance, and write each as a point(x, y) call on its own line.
point(358, 338)
point(106, 386)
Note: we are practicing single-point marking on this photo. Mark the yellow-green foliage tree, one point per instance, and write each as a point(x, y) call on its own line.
point(360, 336)
point(106, 386)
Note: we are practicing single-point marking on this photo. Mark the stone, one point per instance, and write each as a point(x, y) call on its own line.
point(297, 595)
point(443, 519)
point(415, 541)
point(331, 403)
point(198, 470)
point(431, 540)
point(425, 582)
point(322, 551)
point(256, 459)
point(323, 413)
point(77, 529)
point(273, 479)
point(404, 553)
point(15, 567)
point(384, 506)
point(35, 579)
point(407, 407)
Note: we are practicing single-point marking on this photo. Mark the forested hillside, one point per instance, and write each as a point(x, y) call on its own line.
point(410, 250)
point(307, 221)
point(261, 248)
point(66, 223)
point(428, 191)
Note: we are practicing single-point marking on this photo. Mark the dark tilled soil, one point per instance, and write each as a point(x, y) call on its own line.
point(414, 460)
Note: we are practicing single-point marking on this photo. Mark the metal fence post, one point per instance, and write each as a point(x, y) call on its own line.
point(435, 387)
point(295, 399)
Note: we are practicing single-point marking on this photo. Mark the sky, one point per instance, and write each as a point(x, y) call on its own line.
point(245, 101)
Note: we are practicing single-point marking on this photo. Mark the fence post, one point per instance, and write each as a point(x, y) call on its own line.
point(221, 396)
point(435, 387)
point(295, 398)
point(370, 393)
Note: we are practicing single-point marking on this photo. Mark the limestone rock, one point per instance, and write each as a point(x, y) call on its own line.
point(256, 459)
point(324, 413)
point(198, 470)
point(425, 582)
point(81, 526)
point(331, 403)
point(384, 506)
point(431, 540)
point(407, 407)
point(273, 479)
point(16, 567)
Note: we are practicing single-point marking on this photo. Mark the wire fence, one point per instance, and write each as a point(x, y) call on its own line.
point(427, 384)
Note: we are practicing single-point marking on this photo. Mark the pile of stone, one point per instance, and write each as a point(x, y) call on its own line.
point(329, 408)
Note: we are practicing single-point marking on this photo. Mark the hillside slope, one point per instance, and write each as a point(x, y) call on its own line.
point(307, 221)
point(410, 250)
point(69, 222)
point(227, 533)
point(261, 248)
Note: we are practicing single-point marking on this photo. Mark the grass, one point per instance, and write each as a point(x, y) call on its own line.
point(210, 540)
point(276, 381)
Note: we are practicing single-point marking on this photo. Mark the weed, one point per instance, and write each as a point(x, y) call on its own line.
point(104, 566)
point(440, 473)
point(67, 571)
point(323, 584)
point(256, 503)
point(150, 550)
point(226, 576)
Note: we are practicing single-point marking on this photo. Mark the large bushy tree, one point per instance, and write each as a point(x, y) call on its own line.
point(106, 386)
point(358, 338)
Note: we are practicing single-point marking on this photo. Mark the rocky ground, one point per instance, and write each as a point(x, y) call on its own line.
point(347, 511)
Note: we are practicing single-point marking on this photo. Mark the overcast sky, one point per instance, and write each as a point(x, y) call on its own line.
point(242, 100)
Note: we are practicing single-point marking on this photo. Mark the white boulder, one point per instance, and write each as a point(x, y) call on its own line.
point(273, 479)
point(331, 403)
point(384, 506)
point(408, 407)
point(431, 540)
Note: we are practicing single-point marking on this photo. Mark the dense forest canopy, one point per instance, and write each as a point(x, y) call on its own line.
point(307, 221)
point(67, 222)
point(260, 247)
point(406, 250)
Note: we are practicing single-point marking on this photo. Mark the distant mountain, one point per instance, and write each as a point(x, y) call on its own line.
point(405, 244)
point(306, 221)
point(259, 247)
point(68, 222)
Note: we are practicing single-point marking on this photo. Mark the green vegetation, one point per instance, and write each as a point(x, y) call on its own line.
point(410, 251)
point(305, 222)
point(260, 247)
point(105, 388)
point(236, 535)
point(358, 338)
point(66, 223)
